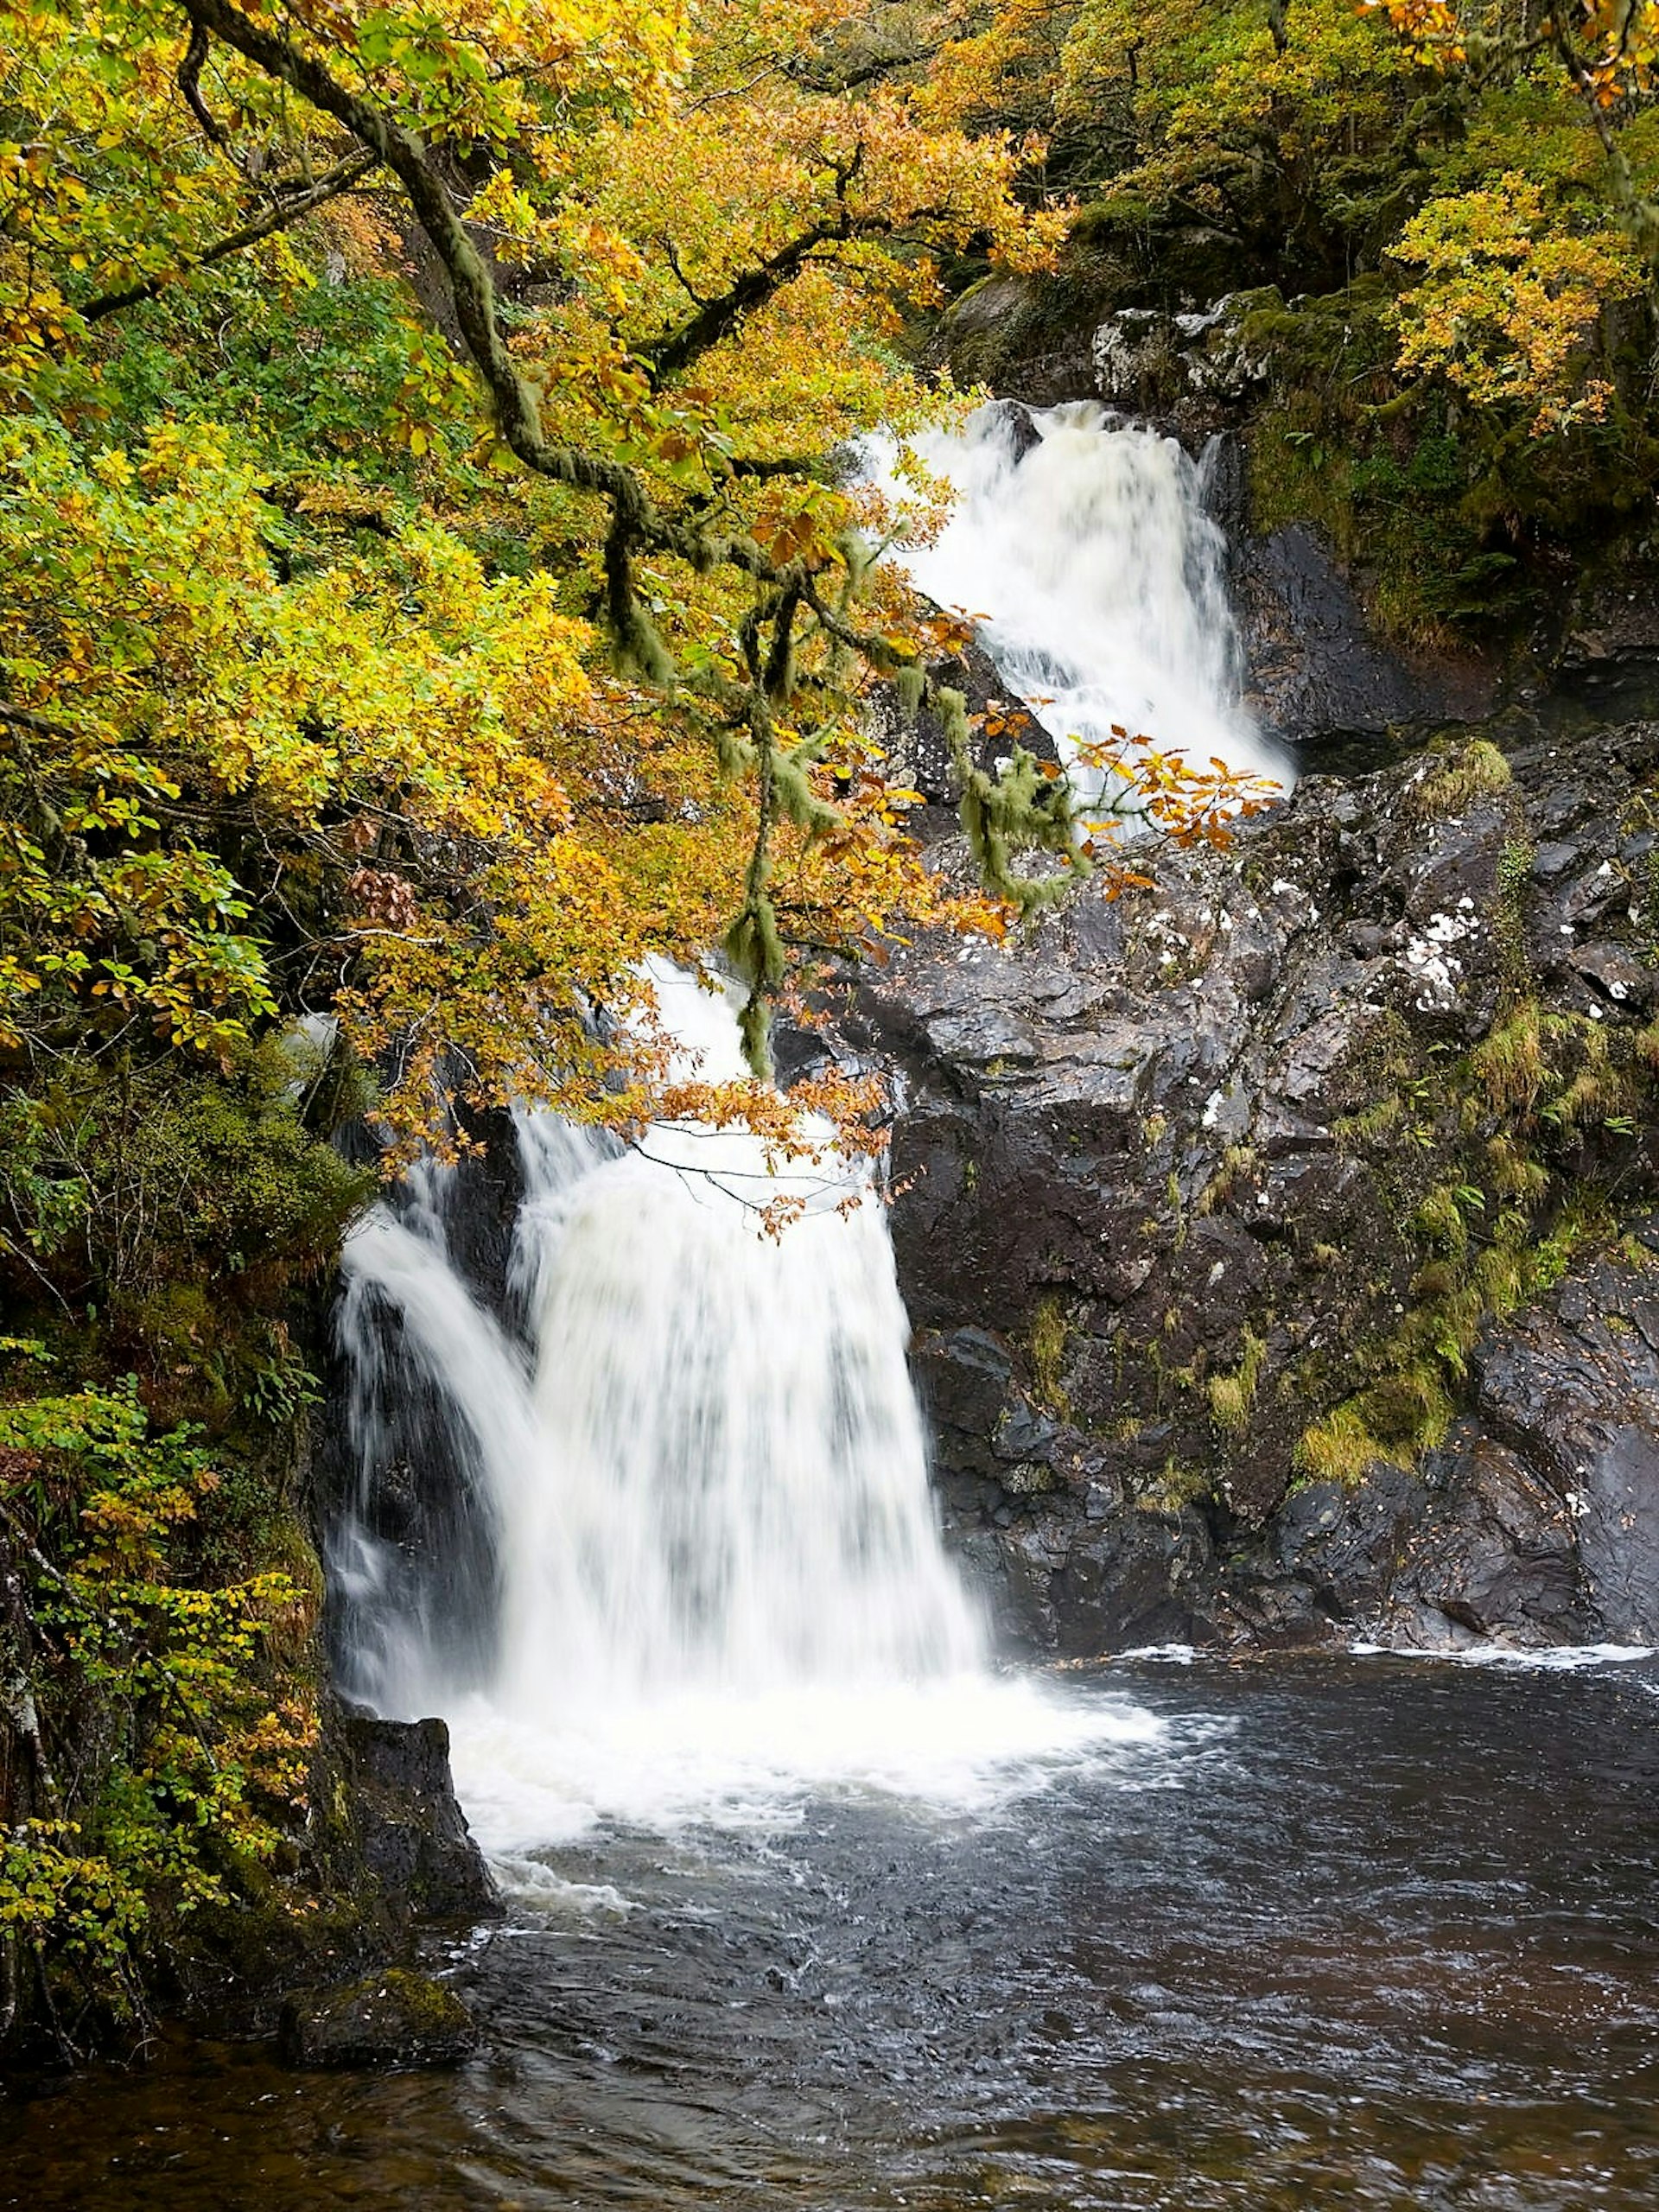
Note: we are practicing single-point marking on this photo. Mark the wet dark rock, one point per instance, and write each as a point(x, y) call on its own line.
point(1329, 1556)
point(1167, 1173)
point(416, 1493)
point(1494, 1557)
point(1018, 431)
point(1319, 677)
point(395, 2019)
point(1547, 1526)
point(412, 1836)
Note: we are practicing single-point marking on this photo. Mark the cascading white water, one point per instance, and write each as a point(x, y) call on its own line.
point(729, 1487)
point(717, 1568)
point(1099, 577)
point(711, 1571)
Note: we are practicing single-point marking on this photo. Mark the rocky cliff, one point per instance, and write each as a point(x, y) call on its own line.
point(1275, 1238)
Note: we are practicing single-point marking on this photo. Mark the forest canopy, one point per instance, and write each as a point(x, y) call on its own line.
point(435, 579)
point(433, 586)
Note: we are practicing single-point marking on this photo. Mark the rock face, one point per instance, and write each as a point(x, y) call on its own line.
point(1320, 679)
point(1538, 1522)
point(1543, 1520)
point(412, 1837)
point(1249, 1223)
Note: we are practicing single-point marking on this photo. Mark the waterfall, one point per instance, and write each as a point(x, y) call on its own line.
point(705, 1467)
point(1083, 545)
point(698, 1480)
point(687, 1557)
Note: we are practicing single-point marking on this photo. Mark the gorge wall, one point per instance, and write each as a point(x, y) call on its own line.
point(1275, 1238)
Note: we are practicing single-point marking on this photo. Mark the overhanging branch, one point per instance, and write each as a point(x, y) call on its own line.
point(290, 210)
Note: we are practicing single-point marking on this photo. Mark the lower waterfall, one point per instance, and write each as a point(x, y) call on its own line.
point(713, 1568)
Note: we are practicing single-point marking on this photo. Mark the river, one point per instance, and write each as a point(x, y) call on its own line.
point(1378, 1932)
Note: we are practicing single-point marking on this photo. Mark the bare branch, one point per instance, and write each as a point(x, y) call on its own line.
point(189, 81)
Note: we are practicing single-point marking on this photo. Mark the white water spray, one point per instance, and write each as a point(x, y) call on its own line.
point(1099, 576)
point(718, 1575)
point(730, 1486)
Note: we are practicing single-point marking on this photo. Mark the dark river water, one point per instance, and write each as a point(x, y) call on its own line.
point(1358, 1932)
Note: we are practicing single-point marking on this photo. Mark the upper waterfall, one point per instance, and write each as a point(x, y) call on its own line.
point(1084, 547)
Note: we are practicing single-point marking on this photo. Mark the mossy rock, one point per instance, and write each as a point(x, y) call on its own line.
point(398, 2018)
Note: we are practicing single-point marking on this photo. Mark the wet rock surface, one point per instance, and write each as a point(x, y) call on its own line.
point(412, 1835)
point(1256, 1228)
point(395, 2019)
point(1544, 1518)
point(1322, 681)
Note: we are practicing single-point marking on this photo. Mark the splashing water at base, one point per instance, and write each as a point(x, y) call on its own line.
point(718, 1580)
point(1100, 576)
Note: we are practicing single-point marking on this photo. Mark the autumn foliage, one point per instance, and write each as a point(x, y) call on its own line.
point(430, 585)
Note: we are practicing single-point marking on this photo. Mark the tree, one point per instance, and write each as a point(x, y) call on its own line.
point(1605, 52)
point(442, 693)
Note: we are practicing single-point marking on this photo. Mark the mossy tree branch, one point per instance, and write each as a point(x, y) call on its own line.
point(999, 813)
point(288, 210)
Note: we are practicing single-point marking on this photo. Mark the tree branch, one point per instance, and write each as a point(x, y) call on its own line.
point(1638, 213)
point(815, 76)
point(349, 173)
point(189, 82)
point(38, 725)
point(403, 152)
point(717, 319)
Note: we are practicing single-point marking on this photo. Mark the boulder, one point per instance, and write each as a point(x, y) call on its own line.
point(411, 1835)
point(1181, 363)
point(396, 2018)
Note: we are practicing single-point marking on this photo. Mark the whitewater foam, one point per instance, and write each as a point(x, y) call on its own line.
point(961, 1745)
point(1098, 577)
point(1546, 1659)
